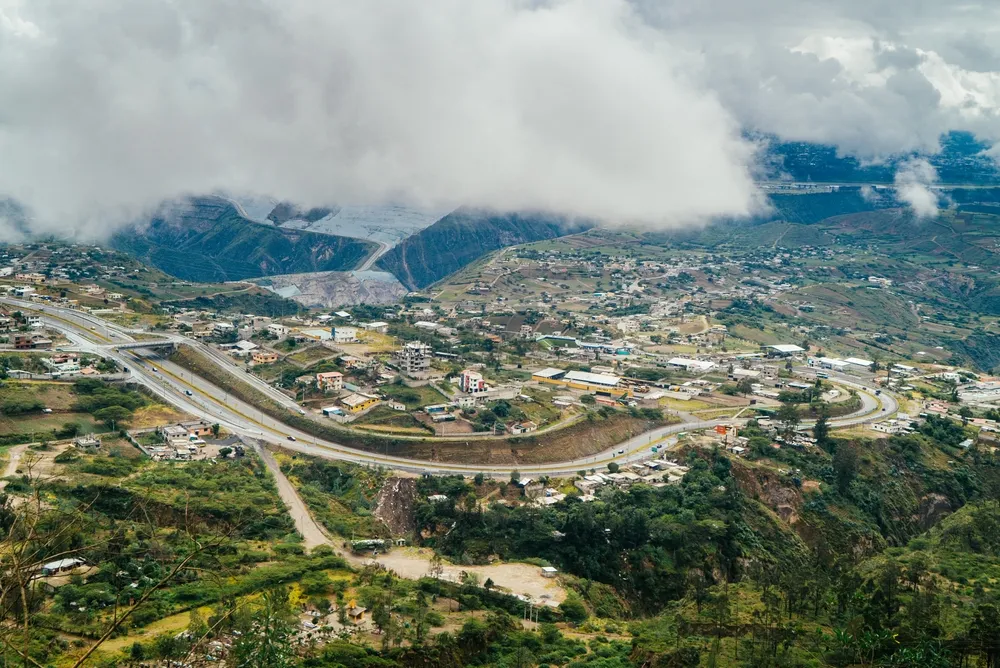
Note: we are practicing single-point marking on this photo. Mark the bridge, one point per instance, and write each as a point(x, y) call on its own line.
point(138, 345)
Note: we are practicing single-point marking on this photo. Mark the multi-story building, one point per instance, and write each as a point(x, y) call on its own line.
point(414, 358)
point(471, 382)
point(263, 357)
point(330, 380)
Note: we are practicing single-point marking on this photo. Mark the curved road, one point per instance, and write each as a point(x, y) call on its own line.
point(198, 397)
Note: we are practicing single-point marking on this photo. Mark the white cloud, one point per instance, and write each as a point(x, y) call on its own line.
point(913, 181)
point(108, 107)
point(621, 109)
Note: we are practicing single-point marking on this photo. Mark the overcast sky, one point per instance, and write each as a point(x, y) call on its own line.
point(623, 111)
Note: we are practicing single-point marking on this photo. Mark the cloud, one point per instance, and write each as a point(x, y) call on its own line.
point(626, 110)
point(873, 77)
point(577, 106)
point(913, 181)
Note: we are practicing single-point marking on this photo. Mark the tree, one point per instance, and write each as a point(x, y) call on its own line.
point(216, 428)
point(845, 466)
point(821, 431)
point(573, 610)
point(744, 386)
point(113, 415)
point(788, 415)
point(965, 412)
point(266, 643)
point(588, 400)
point(515, 476)
point(613, 467)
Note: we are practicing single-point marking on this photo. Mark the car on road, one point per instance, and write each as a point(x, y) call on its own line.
point(291, 438)
point(621, 451)
point(189, 393)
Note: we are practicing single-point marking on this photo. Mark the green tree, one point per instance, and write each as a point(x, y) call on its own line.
point(113, 416)
point(573, 610)
point(845, 466)
point(744, 386)
point(788, 416)
point(266, 642)
point(821, 431)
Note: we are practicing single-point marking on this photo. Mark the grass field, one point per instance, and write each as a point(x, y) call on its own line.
point(309, 355)
point(687, 406)
point(27, 424)
point(382, 418)
point(414, 397)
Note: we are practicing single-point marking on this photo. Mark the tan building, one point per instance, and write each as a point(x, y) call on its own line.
point(263, 357)
point(330, 380)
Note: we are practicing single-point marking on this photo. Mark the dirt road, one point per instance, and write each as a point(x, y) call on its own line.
point(409, 562)
point(13, 460)
point(313, 534)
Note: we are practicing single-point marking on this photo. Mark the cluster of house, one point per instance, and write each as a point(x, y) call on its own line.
point(68, 364)
point(655, 472)
point(182, 441)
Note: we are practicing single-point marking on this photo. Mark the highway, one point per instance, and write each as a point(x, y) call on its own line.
point(196, 396)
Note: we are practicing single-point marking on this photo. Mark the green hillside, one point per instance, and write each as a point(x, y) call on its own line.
point(464, 236)
point(207, 240)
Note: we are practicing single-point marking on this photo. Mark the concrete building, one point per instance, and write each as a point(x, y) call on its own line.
point(263, 357)
point(344, 334)
point(471, 382)
point(414, 358)
point(380, 327)
point(330, 381)
point(277, 330)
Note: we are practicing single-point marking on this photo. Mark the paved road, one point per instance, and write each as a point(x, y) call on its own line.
point(382, 250)
point(198, 397)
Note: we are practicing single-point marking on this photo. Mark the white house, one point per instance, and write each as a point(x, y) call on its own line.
point(344, 334)
point(277, 330)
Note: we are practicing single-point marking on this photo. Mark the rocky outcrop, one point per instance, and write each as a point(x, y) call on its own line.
point(329, 289)
point(933, 508)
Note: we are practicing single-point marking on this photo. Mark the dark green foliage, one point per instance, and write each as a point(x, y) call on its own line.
point(464, 236)
point(641, 541)
point(269, 305)
point(207, 240)
point(95, 395)
point(943, 430)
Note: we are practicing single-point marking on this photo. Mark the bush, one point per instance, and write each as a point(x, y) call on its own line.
point(573, 610)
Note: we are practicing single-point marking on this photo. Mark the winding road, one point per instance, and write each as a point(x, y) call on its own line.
point(194, 395)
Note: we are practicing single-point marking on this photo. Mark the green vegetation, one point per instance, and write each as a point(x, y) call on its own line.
point(340, 497)
point(464, 236)
point(259, 303)
point(208, 241)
